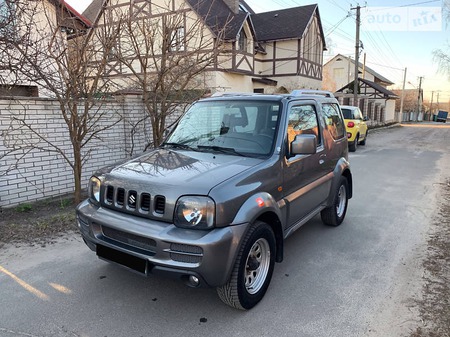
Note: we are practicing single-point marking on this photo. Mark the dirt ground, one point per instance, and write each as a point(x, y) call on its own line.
point(435, 304)
point(38, 223)
point(43, 222)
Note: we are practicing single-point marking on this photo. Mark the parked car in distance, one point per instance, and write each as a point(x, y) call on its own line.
point(356, 126)
point(213, 205)
point(442, 116)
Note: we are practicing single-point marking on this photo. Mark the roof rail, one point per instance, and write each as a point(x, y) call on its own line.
point(227, 93)
point(299, 92)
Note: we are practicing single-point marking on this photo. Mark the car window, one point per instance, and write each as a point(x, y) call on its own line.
point(247, 127)
point(357, 114)
point(333, 120)
point(347, 113)
point(303, 120)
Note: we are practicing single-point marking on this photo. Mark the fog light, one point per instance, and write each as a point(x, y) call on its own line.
point(194, 281)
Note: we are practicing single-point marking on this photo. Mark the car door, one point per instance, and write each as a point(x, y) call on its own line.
point(362, 125)
point(305, 184)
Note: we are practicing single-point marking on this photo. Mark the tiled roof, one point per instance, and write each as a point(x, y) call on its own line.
point(218, 15)
point(275, 25)
point(92, 11)
point(377, 87)
point(380, 88)
point(282, 24)
point(80, 17)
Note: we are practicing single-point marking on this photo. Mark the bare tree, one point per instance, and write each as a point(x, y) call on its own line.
point(166, 57)
point(48, 46)
point(442, 56)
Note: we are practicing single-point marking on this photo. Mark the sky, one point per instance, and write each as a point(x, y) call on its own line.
point(389, 43)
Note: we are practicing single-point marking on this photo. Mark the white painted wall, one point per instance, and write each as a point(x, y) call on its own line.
point(38, 174)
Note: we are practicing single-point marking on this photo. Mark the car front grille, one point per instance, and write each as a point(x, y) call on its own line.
point(133, 201)
point(129, 239)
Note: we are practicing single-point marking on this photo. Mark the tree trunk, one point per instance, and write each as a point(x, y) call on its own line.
point(77, 169)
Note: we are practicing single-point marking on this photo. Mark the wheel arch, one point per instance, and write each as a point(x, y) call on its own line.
point(348, 175)
point(263, 207)
point(342, 169)
point(274, 222)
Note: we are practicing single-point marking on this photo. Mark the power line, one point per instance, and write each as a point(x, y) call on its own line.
point(385, 66)
point(407, 5)
point(333, 2)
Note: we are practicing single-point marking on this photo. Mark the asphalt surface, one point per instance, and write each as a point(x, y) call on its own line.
point(359, 279)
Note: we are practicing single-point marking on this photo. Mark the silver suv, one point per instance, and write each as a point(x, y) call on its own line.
point(214, 203)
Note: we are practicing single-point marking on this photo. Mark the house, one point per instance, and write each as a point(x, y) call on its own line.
point(254, 52)
point(411, 101)
point(48, 20)
point(375, 100)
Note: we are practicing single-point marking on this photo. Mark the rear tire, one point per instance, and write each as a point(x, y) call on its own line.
point(252, 270)
point(335, 214)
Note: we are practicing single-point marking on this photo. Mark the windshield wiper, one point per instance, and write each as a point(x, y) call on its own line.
point(180, 146)
point(226, 150)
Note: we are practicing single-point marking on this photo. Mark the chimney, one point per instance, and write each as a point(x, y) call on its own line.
point(233, 4)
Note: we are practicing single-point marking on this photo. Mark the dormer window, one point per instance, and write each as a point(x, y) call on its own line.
point(242, 41)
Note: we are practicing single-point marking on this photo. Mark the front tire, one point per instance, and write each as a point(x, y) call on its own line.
point(352, 147)
point(335, 214)
point(252, 270)
point(363, 142)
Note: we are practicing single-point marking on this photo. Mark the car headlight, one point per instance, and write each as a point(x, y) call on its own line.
point(94, 189)
point(194, 212)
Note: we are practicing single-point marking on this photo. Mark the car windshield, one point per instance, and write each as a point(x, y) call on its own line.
point(348, 113)
point(232, 127)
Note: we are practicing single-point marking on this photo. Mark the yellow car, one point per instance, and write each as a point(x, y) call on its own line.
point(356, 126)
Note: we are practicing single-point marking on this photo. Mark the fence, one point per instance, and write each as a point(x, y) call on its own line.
point(30, 169)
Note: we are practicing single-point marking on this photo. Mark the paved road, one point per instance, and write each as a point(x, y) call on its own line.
point(359, 279)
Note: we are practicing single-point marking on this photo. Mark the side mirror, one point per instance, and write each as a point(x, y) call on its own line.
point(304, 144)
point(365, 118)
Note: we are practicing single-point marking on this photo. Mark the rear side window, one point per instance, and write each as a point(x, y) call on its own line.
point(333, 119)
point(347, 113)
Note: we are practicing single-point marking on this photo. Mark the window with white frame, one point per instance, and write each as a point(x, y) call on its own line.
point(242, 41)
point(177, 37)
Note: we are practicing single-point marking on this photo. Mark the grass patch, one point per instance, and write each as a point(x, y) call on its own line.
point(23, 208)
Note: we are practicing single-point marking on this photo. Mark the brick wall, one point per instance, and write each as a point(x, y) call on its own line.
point(29, 167)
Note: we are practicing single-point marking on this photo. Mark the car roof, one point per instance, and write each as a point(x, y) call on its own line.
point(318, 95)
point(351, 107)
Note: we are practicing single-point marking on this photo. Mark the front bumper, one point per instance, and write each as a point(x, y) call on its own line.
point(155, 247)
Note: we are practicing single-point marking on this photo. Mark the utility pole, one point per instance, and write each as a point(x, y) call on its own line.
point(431, 105)
point(348, 69)
point(438, 101)
point(355, 84)
point(419, 98)
point(400, 118)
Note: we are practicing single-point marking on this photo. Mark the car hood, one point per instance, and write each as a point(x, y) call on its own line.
point(177, 172)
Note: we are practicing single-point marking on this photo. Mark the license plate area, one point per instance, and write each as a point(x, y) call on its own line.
point(123, 259)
